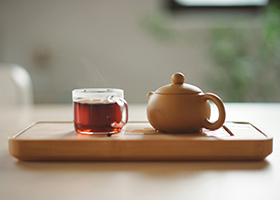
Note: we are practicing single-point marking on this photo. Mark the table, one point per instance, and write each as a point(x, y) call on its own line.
point(138, 180)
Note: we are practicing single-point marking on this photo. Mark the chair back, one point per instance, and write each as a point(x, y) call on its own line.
point(15, 85)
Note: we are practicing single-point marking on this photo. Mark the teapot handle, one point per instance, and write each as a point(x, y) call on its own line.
point(222, 114)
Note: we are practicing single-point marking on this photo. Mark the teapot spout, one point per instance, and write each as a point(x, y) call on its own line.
point(149, 95)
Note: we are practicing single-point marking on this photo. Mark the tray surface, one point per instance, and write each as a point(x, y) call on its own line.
point(139, 141)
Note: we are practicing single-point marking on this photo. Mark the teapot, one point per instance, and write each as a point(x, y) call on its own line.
point(182, 108)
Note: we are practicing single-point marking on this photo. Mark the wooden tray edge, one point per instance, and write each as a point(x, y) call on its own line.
point(261, 149)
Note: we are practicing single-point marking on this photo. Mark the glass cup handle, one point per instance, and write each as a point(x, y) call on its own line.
point(222, 114)
point(124, 110)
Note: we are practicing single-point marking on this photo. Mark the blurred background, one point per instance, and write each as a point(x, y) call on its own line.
point(228, 47)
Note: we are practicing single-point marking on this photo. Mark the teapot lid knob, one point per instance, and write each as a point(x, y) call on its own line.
point(178, 78)
point(178, 86)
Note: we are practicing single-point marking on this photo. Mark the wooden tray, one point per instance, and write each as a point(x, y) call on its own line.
point(58, 141)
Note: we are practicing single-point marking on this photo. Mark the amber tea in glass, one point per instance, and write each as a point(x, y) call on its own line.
point(99, 111)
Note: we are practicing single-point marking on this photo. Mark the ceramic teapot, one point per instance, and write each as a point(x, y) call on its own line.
point(182, 108)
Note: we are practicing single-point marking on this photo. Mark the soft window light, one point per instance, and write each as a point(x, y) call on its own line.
point(222, 2)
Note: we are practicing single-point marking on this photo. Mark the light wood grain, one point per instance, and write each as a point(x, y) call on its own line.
point(139, 141)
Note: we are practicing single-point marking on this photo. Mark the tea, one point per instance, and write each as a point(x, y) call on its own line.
point(92, 117)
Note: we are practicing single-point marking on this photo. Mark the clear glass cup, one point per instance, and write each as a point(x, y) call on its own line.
point(99, 110)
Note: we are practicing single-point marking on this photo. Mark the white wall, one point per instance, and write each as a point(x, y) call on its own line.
point(67, 44)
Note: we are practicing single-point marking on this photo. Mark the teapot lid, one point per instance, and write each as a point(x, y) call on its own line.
point(178, 86)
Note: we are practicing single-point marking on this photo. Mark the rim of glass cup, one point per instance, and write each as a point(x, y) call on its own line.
point(98, 90)
point(93, 93)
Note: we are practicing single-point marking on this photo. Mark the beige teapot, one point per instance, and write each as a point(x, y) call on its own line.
point(182, 108)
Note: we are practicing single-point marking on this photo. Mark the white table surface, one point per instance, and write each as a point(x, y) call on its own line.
point(139, 180)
